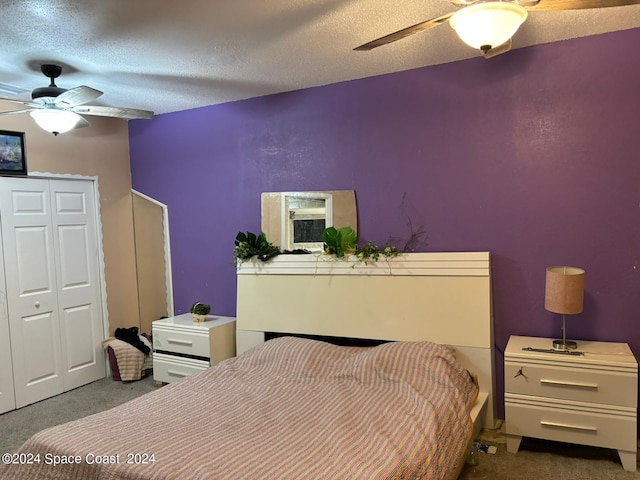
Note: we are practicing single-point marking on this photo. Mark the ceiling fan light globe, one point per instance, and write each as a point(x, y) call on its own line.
point(55, 121)
point(489, 24)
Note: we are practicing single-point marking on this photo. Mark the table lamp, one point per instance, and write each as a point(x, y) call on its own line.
point(564, 294)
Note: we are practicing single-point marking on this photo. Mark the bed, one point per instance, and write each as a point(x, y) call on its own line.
point(291, 407)
point(443, 297)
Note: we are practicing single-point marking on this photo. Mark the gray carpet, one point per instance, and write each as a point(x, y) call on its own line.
point(18, 425)
point(540, 459)
point(536, 459)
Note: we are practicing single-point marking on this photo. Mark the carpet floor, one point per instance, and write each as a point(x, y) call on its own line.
point(18, 425)
point(540, 459)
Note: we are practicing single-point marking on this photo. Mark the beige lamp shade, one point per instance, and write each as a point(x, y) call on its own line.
point(564, 290)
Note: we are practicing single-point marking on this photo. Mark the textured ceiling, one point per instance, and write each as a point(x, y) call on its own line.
point(167, 56)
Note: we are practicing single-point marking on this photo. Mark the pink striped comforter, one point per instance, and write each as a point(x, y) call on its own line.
point(290, 409)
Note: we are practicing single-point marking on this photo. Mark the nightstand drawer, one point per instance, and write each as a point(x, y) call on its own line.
point(187, 343)
point(168, 369)
point(566, 423)
point(569, 383)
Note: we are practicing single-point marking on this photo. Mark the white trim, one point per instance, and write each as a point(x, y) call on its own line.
point(473, 264)
point(168, 273)
point(7, 390)
point(284, 223)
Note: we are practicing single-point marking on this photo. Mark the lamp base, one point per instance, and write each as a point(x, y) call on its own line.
point(564, 345)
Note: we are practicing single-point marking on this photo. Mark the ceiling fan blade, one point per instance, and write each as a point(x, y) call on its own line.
point(117, 112)
point(77, 96)
point(17, 100)
point(498, 50)
point(18, 111)
point(405, 32)
point(82, 122)
point(551, 5)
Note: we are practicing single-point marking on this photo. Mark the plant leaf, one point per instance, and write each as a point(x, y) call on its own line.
point(329, 236)
point(348, 235)
point(261, 241)
point(240, 238)
point(348, 239)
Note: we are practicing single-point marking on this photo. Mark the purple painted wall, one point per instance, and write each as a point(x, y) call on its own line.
point(533, 156)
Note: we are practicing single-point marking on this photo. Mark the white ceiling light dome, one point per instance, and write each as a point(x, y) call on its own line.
point(55, 121)
point(489, 24)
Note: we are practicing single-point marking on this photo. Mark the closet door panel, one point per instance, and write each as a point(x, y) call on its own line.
point(79, 292)
point(41, 358)
point(79, 332)
point(29, 257)
point(36, 288)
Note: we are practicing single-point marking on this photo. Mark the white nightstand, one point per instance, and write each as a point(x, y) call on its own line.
point(589, 399)
point(182, 347)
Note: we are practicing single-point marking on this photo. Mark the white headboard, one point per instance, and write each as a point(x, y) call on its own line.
point(441, 297)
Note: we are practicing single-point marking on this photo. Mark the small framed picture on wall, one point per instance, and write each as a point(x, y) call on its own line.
point(13, 160)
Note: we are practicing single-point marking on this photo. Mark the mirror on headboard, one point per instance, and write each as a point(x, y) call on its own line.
point(294, 220)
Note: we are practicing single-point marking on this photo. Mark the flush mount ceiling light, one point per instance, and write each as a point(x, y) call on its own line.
point(487, 25)
point(55, 121)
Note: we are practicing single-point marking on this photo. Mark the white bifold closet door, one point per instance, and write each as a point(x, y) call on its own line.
point(51, 255)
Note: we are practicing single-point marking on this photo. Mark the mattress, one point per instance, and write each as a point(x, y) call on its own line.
point(292, 408)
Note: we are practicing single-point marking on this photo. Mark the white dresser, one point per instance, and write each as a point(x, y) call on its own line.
point(589, 399)
point(182, 347)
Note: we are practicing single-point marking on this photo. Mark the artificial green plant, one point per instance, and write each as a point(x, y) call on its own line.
point(249, 244)
point(339, 242)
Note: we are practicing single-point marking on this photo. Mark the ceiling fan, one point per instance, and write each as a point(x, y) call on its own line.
point(489, 25)
point(57, 110)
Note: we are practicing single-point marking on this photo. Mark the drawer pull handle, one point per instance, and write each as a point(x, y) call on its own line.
point(177, 374)
point(566, 425)
point(188, 343)
point(558, 383)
